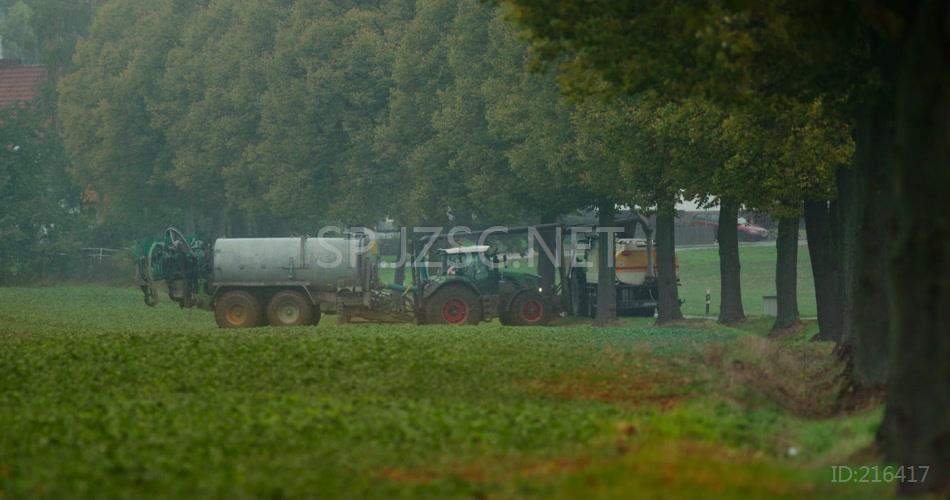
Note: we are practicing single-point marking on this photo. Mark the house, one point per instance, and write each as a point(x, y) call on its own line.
point(20, 82)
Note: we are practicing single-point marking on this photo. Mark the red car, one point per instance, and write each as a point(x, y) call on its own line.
point(747, 230)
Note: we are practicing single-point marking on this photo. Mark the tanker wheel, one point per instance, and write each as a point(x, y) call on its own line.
point(289, 308)
point(453, 305)
point(237, 309)
point(530, 309)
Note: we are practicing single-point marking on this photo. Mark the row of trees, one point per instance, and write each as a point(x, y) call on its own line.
point(262, 117)
point(878, 66)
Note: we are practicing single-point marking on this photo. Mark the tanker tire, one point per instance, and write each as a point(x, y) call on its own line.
point(453, 305)
point(237, 309)
point(529, 309)
point(289, 308)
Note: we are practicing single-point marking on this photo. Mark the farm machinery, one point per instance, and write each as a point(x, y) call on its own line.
point(250, 282)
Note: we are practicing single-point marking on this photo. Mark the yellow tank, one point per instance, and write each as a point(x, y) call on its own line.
point(631, 262)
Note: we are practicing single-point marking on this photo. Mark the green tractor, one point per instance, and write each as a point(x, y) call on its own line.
point(470, 286)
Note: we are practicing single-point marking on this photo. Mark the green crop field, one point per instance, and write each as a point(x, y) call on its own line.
point(103, 397)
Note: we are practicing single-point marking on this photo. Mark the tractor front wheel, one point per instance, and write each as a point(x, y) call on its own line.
point(530, 309)
point(453, 305)
point(237, 309)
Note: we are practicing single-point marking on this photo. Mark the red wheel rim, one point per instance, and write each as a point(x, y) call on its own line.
point(455, 311)
point(532, 311)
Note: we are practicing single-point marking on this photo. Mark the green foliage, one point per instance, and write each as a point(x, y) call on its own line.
point(216, 75)
point(327, 89)
point(729, 120)
point(104, 105)
point(525, 113)
point(16, 28)
point(39, 218)
point(45, 31)
point(102, 396)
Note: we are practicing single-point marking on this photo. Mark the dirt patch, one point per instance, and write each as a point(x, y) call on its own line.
point(622, 387)
point(409, 476)
point(689, 323)
point(854, 399)
point(794, 331)
point(499, 469)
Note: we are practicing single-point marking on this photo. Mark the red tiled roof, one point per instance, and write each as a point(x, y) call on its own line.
point(20, 83)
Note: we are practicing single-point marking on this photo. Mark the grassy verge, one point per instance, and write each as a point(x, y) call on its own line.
point(101, 396)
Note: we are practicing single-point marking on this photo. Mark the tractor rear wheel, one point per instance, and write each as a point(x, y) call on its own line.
point(453, 305)
point(237, 309)
point(529, 309)
point(289, 308)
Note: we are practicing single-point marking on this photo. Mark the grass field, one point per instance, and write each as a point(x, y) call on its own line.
point(699, 270)
point(103, 397)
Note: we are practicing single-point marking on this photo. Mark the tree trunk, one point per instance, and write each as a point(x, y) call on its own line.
point(730, 289)
point(189, 221)
point(668, 303)
point(866, 211)
point(220, 223)
point(917, 425)
point(546, 268)
point(821, 225)
point(786, 273)
point(606, 270)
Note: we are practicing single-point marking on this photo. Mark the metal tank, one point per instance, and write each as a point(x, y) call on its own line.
point(322, 264)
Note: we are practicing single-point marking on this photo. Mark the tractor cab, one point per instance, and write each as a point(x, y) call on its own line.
point(474, 263)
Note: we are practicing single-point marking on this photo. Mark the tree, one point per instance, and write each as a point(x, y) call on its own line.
point(16, 29)
point(39, 217)
point(327, 87)
point(821, 217)
point(532, 122)
point(702, 145)
point(916, 425)
point(420, 70)
point(58, 26)
point(623, 139)
point(109, 132)
point(216, 76)
point(788, 151)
